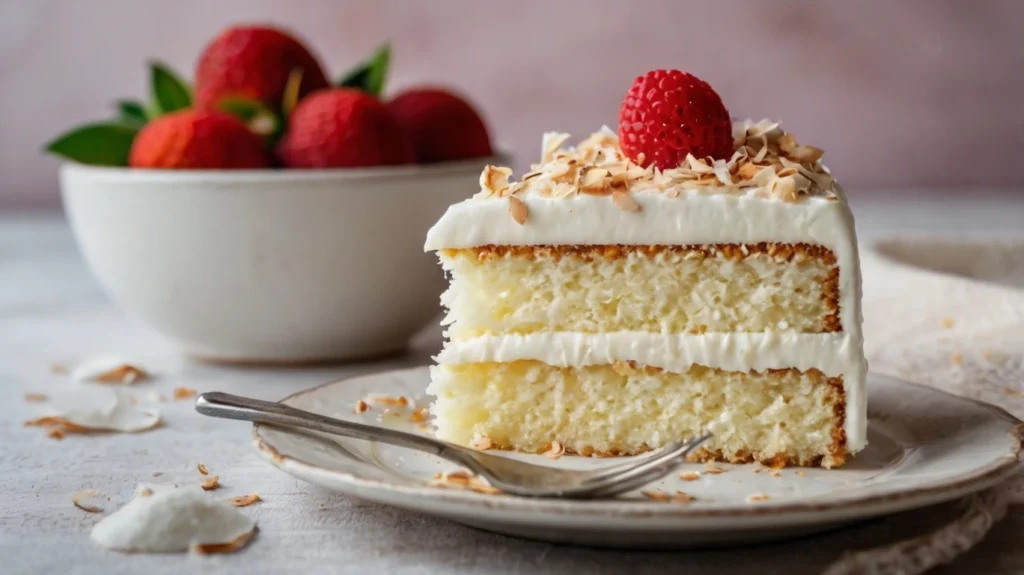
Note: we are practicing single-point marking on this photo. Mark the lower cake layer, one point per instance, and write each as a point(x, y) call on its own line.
point(776, 417)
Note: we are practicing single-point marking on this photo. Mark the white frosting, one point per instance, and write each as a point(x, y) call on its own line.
point(671, 352)
point(706, 216)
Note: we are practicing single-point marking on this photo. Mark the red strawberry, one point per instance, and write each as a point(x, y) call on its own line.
point(668, 114)
point(254, 62)
point(197, 140)
point(343, 127)
point(442, 126)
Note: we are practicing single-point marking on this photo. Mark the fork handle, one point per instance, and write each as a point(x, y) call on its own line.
point(228, 406)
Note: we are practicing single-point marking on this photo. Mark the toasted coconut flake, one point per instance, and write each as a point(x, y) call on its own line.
point(223, 548)
point(211, 483)
point(947, 322)
point(689, 476)
point(721, 168)
point(58, 368)
point(55, 433)
point(657, 495)
point(157, 473)
point(184, 392)
point(682, 497)
point(757, 497)
point(713, 469)
point(119, 417)
point(360, 407)
point(784, 189)
point(459, 475)
point(109, 370)
point(493, 179)
point(698, 166)
point(481, 443)
point(391, 400)
point(551, 143)
point(957, 358)
point(173, 520)
point(202, 469)
point(796, 152)
point(517, 208)
point(36, 397)
point(482, 487)
point(775, 472)
point(625, 202)
point(562, 190)
point(245, 500)
point(419, 415)
point(748, 171)
point(79, 500)
point(560, 171)
point(555, 450)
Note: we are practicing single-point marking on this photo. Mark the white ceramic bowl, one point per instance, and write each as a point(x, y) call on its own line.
point(269, 266)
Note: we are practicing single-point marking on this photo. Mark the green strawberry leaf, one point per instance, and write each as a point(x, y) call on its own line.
point(170, 93)
point(371, 75)
point(256, 115)
point(101, 144)
point(131, 113)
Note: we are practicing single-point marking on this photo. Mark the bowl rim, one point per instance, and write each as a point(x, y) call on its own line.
point(281, 176)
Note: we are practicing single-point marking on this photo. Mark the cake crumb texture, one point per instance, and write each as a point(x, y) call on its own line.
point(777, 417)
point(663, 289)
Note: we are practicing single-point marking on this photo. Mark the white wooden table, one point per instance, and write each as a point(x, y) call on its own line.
point(52, 311)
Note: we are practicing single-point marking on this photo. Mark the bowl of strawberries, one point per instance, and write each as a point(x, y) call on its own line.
point(266, 215)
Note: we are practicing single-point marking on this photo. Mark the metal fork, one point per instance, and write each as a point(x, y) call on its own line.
point(507, 474)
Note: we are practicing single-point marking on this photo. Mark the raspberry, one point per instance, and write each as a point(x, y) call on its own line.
point(197, 140)
point(340, 128)
point(668, 114)
point(443, 126)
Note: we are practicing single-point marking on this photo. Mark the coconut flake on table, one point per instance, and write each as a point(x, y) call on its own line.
point(175, 520)
point(120, 416)
point(109, 370)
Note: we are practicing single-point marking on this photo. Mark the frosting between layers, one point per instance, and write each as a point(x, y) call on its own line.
point(835, 354)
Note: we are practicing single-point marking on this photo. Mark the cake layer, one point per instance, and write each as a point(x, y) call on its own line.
point(834, 354)
point(776, 416)
point(694, 217)
point(665, 289)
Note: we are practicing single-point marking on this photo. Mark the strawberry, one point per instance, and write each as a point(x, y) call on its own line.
point(254, 62)
point(197, 140)
point(343, 127)
point(668, 114)
point(442, 126)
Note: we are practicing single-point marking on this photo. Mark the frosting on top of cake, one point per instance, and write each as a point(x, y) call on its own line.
point(766, 161)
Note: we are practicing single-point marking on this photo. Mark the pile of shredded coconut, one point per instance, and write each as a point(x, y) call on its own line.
point(766, 159)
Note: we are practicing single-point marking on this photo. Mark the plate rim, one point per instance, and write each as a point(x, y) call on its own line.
point(961, 485)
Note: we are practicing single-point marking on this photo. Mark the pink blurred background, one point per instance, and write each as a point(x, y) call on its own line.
point(900, 94)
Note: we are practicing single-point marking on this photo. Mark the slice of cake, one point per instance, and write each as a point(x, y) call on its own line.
point(618, 297)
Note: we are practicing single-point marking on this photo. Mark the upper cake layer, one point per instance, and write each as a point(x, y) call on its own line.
point(771, 190)
point(664, 289)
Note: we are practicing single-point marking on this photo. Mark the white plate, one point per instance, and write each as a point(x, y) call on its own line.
point(925, 447)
